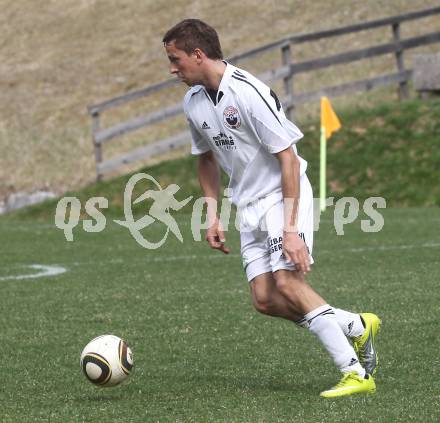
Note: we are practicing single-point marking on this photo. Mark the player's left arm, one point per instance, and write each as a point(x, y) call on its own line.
point(294, 248)
point(277, 135)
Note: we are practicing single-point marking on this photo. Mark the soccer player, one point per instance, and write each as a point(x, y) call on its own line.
point(238, 123)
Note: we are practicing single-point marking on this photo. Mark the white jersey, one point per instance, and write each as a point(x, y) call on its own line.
point(244, 127)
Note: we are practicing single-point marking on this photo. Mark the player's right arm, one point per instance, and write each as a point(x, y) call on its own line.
point(209, 179)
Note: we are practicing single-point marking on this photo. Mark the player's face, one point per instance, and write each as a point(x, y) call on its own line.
point(185, 67)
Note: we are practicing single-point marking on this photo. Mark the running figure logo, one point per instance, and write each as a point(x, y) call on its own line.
point(163, 201)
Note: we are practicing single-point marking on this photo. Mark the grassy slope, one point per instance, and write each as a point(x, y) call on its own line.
point(391, 151)
point(59, 56)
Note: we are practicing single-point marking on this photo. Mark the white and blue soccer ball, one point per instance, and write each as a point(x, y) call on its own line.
point(107, 361)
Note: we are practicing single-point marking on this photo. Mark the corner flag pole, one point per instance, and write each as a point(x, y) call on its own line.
point(323, 170)
point(329, 124)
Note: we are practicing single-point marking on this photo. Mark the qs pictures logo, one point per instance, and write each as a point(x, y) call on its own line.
point(160, 211)
point(163, 203)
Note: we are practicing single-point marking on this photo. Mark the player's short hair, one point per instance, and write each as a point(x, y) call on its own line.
point(194, 33)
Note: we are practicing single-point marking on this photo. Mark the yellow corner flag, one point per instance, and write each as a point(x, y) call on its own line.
point(329, 120)
point(329, 124)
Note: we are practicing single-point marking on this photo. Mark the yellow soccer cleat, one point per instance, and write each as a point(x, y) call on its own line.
point(364, 345)
point(351, 383)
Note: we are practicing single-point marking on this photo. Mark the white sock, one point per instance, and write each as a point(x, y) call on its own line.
point(350, 323)
point(322, 322)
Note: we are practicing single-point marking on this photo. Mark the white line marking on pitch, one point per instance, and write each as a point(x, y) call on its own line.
point(44, 271)
point(223, 256)
point(391, 247)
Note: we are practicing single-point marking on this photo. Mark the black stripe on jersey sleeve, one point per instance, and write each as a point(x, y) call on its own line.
point(238, 73)
point(253, 86)
point(277, 102)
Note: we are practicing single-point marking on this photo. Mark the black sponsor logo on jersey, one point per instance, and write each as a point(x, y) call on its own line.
point(275, 244)
point(224, 141)
point(205, 125)
point(231, 117)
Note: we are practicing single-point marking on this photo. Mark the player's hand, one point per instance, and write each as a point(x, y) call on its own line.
point(216, 238)
point(295, 251)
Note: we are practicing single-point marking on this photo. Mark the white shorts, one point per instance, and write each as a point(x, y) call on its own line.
point(261, 231)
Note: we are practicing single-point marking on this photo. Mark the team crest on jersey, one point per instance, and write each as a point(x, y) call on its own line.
point(231, 117)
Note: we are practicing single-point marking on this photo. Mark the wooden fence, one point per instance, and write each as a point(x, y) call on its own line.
point(286, 72)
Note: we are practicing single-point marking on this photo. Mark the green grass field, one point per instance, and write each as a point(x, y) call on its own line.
point(202, 354)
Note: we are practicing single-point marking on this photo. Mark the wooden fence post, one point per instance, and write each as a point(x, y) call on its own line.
point(286, 72)
point(286, 58)
point(403, 85)
point(97, 145)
